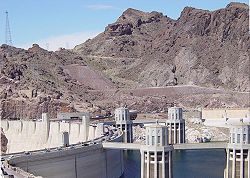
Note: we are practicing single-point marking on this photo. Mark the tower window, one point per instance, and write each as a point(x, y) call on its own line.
point(153, 140)
point(244, 137)
point(238, 138)
point(159, 140)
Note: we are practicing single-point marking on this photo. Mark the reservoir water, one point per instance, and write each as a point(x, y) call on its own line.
point(186, 164)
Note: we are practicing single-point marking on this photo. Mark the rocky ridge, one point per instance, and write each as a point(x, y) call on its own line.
point(33, 81)
point(147, 61)
point(201, 47)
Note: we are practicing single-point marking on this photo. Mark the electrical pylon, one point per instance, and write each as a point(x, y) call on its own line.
point(8, 39)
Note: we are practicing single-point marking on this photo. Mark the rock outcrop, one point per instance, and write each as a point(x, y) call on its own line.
point(34, 81)
point(201, 47)
point(4, 142)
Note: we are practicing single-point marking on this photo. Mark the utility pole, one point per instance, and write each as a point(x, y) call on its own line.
point(8, 39)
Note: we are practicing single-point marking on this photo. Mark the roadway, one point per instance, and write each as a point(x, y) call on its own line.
point(121, 146)
point(185, 146)
point(199, 146)
point(140, 121)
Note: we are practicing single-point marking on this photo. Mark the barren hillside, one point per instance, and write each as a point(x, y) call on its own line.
point(205, 48)
point(145, 60)
point(34, 81)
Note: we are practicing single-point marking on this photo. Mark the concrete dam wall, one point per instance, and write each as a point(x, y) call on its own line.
point(86, 162)
point(82, 160)
point(30, 135)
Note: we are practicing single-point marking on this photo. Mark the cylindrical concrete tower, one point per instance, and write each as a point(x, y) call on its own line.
point(156, 155)
point(238, 152)
point(123, 122)
point(176, 126)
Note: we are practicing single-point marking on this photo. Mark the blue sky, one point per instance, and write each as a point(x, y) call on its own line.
point(65, 23)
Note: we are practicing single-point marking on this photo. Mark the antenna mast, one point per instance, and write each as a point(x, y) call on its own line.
point(8, 40)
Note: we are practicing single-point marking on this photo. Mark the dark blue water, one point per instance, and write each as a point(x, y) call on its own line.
point(186, 164)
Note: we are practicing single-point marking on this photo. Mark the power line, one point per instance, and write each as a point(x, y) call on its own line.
point(8, 39)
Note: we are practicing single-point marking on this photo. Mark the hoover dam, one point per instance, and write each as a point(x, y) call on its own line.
point(83, 157)
point(56, 149)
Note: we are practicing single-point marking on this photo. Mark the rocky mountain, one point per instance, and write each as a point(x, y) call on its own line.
point(34, 81)
point(201, 47)
point(147, 61)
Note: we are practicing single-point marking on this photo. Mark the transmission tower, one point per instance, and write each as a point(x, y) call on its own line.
point(8, 40)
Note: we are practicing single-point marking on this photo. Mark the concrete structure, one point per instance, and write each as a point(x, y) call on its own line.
point(99, 130)
point(102, 156)
point(238, 152)
point(72, 115)
point(225, 113)
point(140, 122)
point(32, 135)
point(121, 146)
point(65, 139)
point(226, 122)
point(226, 118)
point(88, 160)
point(123, 122)
point(176, 126)
point(186, 146)
point(201, 146)
point(85, 125)
point(156, 155)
